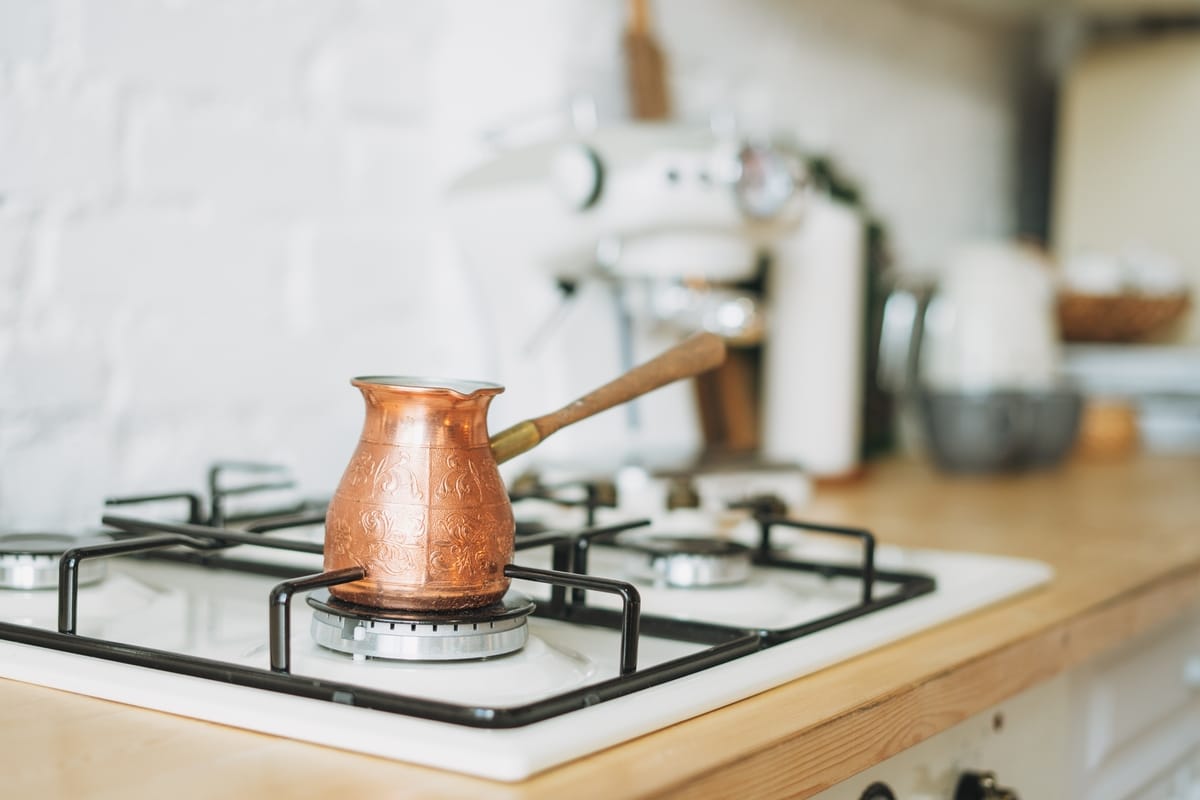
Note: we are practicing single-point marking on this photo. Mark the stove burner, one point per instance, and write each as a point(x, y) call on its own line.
point(475, 633)
point(689, 562)
point(30, 560)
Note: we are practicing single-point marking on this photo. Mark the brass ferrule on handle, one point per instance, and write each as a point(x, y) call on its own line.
point(511, 442)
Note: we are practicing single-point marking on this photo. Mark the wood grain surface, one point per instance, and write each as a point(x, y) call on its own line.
point(1123, 537)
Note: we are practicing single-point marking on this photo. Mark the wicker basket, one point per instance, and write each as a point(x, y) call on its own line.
point(1116, 317)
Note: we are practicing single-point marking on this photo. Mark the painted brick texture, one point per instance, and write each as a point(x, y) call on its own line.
point(212, 214)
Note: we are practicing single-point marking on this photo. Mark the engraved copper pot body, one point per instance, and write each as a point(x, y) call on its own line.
point(422, 507)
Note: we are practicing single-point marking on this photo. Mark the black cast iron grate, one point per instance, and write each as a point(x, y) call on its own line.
point(204, 542)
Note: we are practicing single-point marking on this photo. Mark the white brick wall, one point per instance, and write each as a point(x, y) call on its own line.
point(25, 34)
point(56, 145)
point(381, 65)
point(235, 51)
point(235, 163)
point(212, 213)
point(13, 240)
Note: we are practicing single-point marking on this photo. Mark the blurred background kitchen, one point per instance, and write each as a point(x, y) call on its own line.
point(213, 214)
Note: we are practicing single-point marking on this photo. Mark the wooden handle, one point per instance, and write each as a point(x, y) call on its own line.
point(645, 68)
point(697, 354)
point(639, 16)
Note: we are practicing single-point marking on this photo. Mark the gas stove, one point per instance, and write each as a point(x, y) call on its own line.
point(217, 608)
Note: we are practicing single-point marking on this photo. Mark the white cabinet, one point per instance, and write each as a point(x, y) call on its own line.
point(1125, 726)
point(1137, 713)
point(1180, 782)
point(1007, 11)
point(1128, 170)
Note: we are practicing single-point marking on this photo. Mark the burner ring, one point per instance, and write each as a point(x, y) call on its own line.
point(469, 634)
point(689, 562)
point(30, 560)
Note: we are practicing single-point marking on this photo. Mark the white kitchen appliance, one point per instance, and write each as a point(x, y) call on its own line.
point(224, 618)
point(657, 229)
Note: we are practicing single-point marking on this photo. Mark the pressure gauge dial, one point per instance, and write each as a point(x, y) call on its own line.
point(577, 174)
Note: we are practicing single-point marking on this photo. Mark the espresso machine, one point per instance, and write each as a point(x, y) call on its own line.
point(634, 235)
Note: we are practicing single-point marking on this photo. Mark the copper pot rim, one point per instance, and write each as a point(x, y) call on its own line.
point(428, 385)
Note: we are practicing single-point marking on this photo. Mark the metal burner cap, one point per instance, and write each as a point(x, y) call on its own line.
point(475, 633)
point(689, 562)
point(30, 560)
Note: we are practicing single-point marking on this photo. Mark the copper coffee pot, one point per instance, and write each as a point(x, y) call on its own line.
point(421, 507)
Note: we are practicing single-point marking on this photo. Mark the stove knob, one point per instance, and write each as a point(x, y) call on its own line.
point(762, 505)
point(527, 484)
point(603, 493)
point(878, 791)
point(981, 786)
point(682, 493)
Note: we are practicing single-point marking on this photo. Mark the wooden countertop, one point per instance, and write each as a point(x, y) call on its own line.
point(1124, 539)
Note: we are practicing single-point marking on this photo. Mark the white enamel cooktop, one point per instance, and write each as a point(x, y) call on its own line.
point(223, 615)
